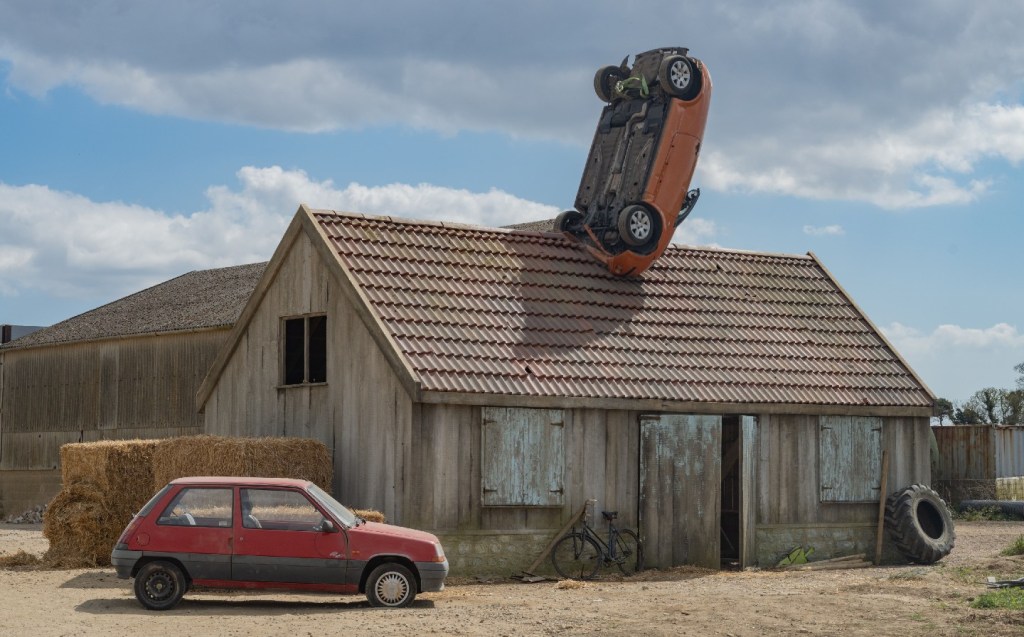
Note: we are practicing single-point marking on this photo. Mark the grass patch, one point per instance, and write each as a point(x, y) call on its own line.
point(1017, 548)
point(1008, 598)
point(984, 514)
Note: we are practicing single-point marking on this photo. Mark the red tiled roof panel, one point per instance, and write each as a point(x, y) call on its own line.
point(483, 310)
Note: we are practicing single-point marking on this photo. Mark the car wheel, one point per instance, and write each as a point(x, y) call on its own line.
point(391, 585)
point(605, 80)
point(638, 225)
point(568, 221)
point(679, 77)
point(160, 585)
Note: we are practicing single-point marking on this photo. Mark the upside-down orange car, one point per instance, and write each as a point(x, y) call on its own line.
point(634, 190)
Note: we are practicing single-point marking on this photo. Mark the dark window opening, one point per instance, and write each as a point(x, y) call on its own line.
point(305, 350)
point(318, 349)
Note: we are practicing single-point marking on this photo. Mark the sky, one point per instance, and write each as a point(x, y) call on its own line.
point(141, 140)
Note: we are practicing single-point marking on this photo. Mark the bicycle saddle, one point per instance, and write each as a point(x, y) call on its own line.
point(610, 515)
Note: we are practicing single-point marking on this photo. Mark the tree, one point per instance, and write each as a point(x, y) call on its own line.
point(1019, 368)
point(944, 409)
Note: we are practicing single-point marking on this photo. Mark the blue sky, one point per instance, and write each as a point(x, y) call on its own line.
point(142, 140)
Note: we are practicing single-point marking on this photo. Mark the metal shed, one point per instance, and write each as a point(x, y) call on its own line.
point(483, 383)
point(979, 462)
point(128, 369)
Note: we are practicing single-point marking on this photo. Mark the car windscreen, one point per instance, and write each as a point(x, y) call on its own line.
point(337, 509)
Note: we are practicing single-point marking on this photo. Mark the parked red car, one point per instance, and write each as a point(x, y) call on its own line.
point(270, 533)
point(633, 193)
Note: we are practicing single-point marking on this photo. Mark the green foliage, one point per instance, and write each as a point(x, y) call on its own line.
point(984, 514)
point(1009, 598)
point(1017, 548)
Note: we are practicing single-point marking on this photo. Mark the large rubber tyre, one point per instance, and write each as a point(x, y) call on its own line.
point(160, 585)
point(639, 226)
point(679, 77)
point(919, 524)
point(628, 546)
point(391, 585)
point(576, 556)
point(605, 80)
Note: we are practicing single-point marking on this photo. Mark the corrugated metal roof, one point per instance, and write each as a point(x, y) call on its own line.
point(529, 313)
point(197, 300)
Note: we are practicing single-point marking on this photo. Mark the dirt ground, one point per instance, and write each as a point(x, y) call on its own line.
point(892, 600)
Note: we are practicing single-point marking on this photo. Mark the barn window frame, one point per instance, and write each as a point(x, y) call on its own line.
point(850, 458)
point(522, 457)
point(303, 350)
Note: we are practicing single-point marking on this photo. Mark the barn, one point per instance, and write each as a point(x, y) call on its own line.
point(129, 369)
point(484, 383)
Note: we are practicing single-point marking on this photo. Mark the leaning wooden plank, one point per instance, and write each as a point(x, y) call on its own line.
point(558, 536)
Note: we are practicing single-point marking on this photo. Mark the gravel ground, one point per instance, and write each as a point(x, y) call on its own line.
point(893, 600)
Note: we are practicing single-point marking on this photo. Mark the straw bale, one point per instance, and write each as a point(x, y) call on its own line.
point(80, 528)
point(369, 515)
point(299, 458)
point(121, 469)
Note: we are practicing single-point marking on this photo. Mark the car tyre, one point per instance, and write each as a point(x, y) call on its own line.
point(160, 585)
point(679, 77)
point(638, 225)
point(391, 585)
point(605, 80)
point(568, 221)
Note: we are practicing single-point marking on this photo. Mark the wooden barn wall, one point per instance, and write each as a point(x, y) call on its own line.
point(788, 466)
point(442, 479)
point(362, 413)
point(142, 387)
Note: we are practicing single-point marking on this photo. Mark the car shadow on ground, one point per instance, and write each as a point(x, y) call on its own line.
point(95, 579)
point(229, 606)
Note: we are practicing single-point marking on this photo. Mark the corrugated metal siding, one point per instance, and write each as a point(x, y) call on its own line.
point(125, 388)
point(965, 453)
point(1009, 446)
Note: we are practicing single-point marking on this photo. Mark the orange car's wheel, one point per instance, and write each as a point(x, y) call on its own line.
point(605, 80)
point(568, 221)
point(638, 225)
point(679, 77)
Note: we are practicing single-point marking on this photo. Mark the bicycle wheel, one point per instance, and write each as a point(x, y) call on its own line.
point(576, 556)
point(629, 552)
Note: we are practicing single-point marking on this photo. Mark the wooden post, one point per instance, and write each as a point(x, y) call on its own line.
point(558, 536)
point(881, 506)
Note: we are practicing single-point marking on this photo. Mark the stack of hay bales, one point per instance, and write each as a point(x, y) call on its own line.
point(105, 483)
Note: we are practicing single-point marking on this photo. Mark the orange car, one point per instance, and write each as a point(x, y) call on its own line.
point(633, 193)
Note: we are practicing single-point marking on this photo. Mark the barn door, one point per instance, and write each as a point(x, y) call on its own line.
point(680, 489)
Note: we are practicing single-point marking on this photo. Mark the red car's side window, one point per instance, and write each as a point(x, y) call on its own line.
point(199, 506)
point(278, 509)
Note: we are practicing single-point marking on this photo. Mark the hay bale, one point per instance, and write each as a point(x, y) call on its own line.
point(299, 458)
point(80, 528)
point(369, 515)
point(122, 470)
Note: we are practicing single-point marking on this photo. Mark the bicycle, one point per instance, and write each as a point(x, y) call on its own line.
point(580, 553)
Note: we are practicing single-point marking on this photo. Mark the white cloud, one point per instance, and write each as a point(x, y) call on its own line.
point(956, 361)
point(69, 246)
point(855, 102)
point(831, 230)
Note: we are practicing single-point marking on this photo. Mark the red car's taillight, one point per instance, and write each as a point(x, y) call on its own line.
point(129, 530)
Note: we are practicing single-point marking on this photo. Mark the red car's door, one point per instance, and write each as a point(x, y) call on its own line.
point(281, 540)
point(195, 528)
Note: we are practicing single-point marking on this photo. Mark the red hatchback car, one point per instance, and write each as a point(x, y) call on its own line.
point(270, 533)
